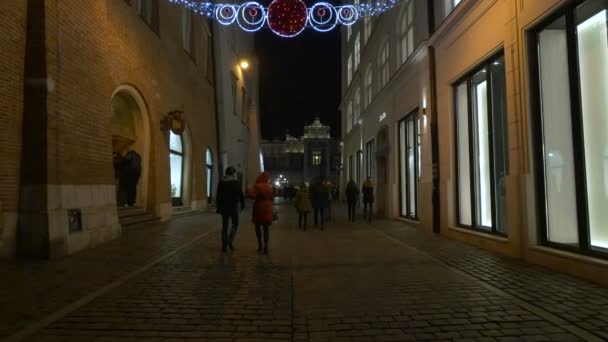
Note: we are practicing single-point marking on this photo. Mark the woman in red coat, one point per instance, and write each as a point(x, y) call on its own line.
point(263, 195)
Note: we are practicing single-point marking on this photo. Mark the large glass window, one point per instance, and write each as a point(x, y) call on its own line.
point(570, 59)
point(482, 147)
point(349, 116)
point(316, 158)
point(176, 161)
point(209, 168)
point(409, 156)
point(406, 31)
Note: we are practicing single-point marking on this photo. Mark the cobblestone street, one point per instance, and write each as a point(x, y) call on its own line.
point(361, 282)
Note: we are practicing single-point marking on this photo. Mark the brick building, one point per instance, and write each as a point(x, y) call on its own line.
point(81, 80)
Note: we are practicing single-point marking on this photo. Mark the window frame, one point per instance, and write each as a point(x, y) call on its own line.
point(404, 177)
point(569, 13)
point(178, 201)
point(369, 85)
point(383, 64)
point(468, 80)
point(404, 31)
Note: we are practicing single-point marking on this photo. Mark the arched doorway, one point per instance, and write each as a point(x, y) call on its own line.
point(382, 154)
point(209, 169)
point(129, 125)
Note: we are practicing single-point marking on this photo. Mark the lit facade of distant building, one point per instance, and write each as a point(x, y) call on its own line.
point(299, 160)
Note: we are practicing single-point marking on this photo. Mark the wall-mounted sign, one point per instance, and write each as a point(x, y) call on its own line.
point(382, 117)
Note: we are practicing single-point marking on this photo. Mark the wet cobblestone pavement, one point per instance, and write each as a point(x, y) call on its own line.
point(361, 282)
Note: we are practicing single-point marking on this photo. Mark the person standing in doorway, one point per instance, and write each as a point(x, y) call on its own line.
point(302, 204)
point(229, 202)
point(130, 173)
point(352, 197)
point(263, 211)
point(319, 201)
point(368, 198)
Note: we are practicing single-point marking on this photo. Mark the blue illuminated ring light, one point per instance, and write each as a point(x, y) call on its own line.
point(347, 15)
point(322, 25)
point(322, 16)
point(223, 18)
point(244, 22)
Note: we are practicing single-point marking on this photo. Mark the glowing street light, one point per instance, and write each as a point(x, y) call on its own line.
point(244, 64)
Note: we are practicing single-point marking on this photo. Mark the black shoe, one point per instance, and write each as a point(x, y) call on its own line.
point(266, 250)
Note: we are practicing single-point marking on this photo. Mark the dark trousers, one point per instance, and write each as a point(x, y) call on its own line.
point(328, 212)
point(302, 219)
point(368, 215)
point(266, 234)
point(352, 209)
point(226, 218)
point(130, 186)
point(319, 215)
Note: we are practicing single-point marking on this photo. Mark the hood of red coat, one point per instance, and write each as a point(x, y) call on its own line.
point(264, 177)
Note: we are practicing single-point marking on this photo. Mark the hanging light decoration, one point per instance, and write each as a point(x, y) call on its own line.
point(286, 18)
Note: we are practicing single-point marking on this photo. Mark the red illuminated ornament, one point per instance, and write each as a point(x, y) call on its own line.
point(321, 12)
point(287, 17)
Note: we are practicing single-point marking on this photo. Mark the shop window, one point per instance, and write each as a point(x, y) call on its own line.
point(176, 163)
point(481, 146)
point(409, 171)
point(569, 59)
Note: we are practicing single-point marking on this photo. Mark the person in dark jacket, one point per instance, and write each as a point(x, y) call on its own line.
point(368, 198)
point(230, 201)
point(352, 196)
point(129, 175)
point(320, 201)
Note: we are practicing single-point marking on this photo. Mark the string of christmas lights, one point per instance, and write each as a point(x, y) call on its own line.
point(286, 18)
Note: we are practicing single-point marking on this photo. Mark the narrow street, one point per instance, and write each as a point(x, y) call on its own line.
point(361, 282)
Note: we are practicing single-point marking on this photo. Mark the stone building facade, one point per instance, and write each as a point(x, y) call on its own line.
point(478, 120)
point(81, 80)
point(298, 160)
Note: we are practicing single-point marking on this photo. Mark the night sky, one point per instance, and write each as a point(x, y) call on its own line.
point(299, 79)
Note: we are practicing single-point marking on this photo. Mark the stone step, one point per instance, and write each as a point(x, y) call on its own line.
point(138, 219)
point(130, 211)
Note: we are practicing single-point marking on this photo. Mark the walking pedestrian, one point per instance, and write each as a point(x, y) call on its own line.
point(263, 212)
point(319, 201)
point(129, 176)
point(368, 198)
point(352, 196)
point(229, 202)
point(302, 204)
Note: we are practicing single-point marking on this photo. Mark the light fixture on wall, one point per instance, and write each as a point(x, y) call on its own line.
point(244, 64)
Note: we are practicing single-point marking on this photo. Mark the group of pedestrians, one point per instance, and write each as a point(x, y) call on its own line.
point(230, 201)
point(316, 197)
point(352, 199)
